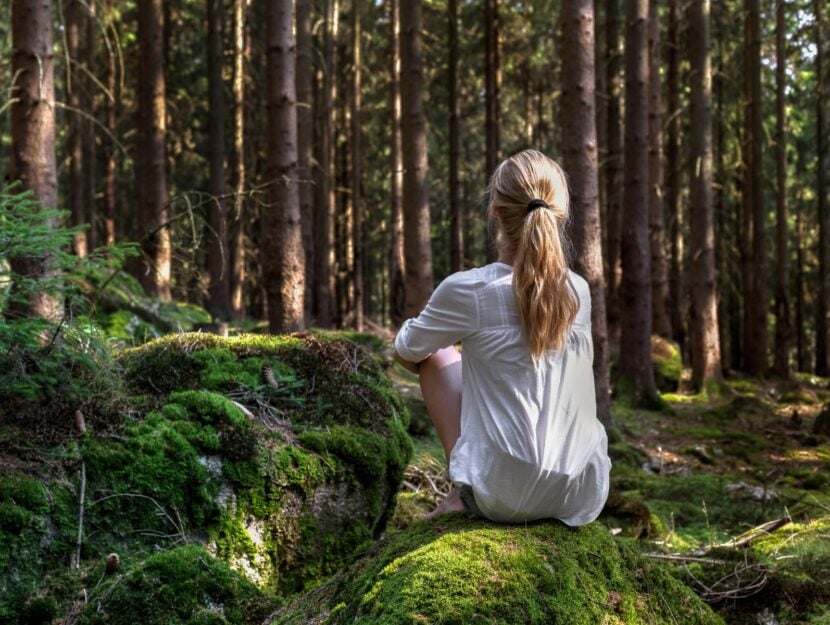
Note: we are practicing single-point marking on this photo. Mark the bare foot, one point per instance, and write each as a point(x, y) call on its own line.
point(451, 503)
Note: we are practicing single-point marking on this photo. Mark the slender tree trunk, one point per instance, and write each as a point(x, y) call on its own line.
point(110, 166)
point(305, 127)
point(580, 152)
point(782, 297)
point(613, 179)
point(492, 83)
point(456, 238)
point(237, 161)
point(635, 337)
point(357, 170)
point(659, 271)
point(417, 244)
point(396, 255)
point(673, 206)
point(74, 17)
point(800, 337)
point(283, 255)
point(601, 87)
point(151, 177)
point(705, 343)
point(822, 361)
point(218, 254)
point(325, 205)
point(90, 130)
point(33, 138)
point(755, 292)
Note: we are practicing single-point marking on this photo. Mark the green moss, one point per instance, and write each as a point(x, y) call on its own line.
point(459, 571)
point(183, 586)
point(668, 366)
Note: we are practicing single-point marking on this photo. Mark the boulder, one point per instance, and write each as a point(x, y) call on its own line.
point(457, 570)
point(278, 455)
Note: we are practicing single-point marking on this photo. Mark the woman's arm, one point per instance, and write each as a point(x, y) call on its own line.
point(408, 364)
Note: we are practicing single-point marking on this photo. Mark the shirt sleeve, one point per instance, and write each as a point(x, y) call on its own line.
point(451, 314)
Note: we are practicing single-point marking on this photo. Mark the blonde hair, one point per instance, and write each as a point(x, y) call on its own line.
point(536, 239)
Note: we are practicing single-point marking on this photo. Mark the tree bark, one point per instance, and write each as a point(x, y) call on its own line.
point(705, 343)
point(636, 372)
point(396, 255)
point(237, 161)
point(580, 153)
point(613, 179)
point(218, 252)
point(33, 139)
point(456, 237)
point(325, 201)
point(74, 17)
point(823, 252)
point(417, 244)
point(755, 292)
point(659, 271)
point(783, 327)
point(283, 255)
point(357, 171)
point(673, 205)
point(492, 85)
point(90, 129)
point(151, 177)
point(305, 131)
point(110, 166)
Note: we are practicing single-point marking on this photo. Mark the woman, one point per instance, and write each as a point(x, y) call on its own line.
point(519, 427)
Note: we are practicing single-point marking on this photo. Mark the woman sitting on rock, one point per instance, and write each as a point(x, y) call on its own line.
point(519, 425)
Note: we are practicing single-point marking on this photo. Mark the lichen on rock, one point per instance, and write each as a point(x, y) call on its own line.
point(455, 570)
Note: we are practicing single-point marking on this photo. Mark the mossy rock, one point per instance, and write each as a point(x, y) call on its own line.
point(281, 476)
point(460, 571)
point(183, 586)
point(668, 366)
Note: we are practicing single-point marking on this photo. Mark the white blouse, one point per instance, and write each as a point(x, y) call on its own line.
point(531, 446)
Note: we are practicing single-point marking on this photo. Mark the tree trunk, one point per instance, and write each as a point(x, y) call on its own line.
point(580, 153)
point(659, 271)
point(396, 255)
point(357, 172)
point(417, 244)
point(325, 204)
point(822, 361)
point(613, 180)
point(237, 161)
point(151, 177)
point(110, 166)
point(783, 329)
point(705, 343)
point(755, 291)
point(283, 255)
point(218, 254)
point(75, 13)
point(492, 84)
point(305, 128)
point(90, 129)
point(800, 334)
point(33, 139)
point(456, 238)
point(673, 206)
point(636, 372)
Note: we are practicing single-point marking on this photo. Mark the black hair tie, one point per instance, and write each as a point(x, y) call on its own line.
point(534, 204)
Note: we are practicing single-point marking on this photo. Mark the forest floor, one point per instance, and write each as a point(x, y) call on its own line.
point(731, 491)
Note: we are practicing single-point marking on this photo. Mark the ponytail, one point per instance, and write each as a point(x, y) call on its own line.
point(529, 194)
